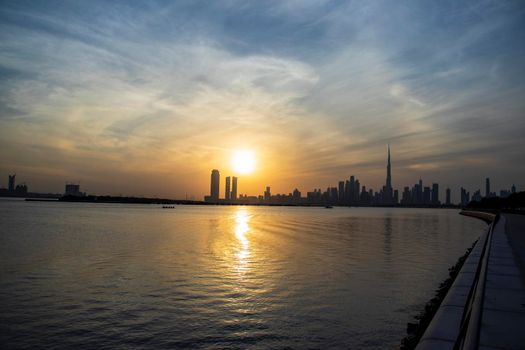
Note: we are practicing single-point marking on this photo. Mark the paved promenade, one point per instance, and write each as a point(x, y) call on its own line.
point(503, 315)
point(485, 307)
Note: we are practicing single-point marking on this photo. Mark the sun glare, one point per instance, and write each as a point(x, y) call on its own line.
point(244, 162)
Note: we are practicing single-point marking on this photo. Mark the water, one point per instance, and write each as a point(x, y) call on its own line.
point(104, 276)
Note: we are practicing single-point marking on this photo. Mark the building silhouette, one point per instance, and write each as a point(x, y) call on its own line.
point(227, 189)
point(214, 185)
point(447, 197)
point(12, 182)
point(435, 194)
point(487, 187)
point(72, 189)
point(388, 197)
point(233, 195)
point(465, 197)
point(267, 194)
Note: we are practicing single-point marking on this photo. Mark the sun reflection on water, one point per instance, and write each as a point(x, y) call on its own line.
point(242, 229)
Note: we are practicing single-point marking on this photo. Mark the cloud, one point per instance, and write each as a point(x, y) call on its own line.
point(319, 88)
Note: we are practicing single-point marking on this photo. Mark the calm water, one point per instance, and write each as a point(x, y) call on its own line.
point(96, 276)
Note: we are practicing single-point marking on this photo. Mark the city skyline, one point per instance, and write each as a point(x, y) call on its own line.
point(350, 192)
point(145, 99)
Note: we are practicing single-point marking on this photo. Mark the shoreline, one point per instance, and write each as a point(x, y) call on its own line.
point(164, 201)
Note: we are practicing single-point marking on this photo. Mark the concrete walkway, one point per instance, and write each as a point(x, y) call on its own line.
point(494, 315)
point(503, 315)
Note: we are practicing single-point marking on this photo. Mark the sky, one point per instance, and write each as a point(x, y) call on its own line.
point(146, 98)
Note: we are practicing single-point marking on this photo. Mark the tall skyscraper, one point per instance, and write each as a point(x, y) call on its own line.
point(227, 189)
point(487, 187)
point(388, 171)
point(447, 200)
point(465, 197)
point(234, 189)
point(426, 195)
point(341, 192)
point(214, 187)
point(435, 194)
point(12, 183)
point(351, 189)
point(388, 192)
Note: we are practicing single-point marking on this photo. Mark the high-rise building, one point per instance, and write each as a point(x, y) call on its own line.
point(234, 189)
point(296, 195)
point(12, 183)
point(388, 197)
point(227, 189)
point(420, 192)
point(435, 194)
point(72, 190)
point(487, 187)
point(351, 190)
point(406, 197)
point(513, 189)
point(214, 186)
point(426, 195)
point(447, 197)
point(341, 191)
point(477, 196)
point(267, 194)
point(347, 192)
point(465, 197)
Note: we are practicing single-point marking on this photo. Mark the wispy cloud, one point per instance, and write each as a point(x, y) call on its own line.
point(317, 88)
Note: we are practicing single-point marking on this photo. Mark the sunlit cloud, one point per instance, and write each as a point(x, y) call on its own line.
point(167, 91)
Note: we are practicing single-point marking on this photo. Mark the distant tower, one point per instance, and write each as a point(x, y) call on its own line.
point(12, 183)
point(487, 187)
point(214, 188)
point(388, 195)
point(435, 194)
point(420, 192)
point(234, 189)
point(227, 189)
point(513, 189)
point(267, 194)
point(341, 191)
point(388, 172)
point(447, 199)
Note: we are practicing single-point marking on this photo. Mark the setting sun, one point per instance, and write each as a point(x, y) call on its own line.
point(243, 162)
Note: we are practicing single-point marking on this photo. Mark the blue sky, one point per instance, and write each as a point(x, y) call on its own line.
point(145, 98)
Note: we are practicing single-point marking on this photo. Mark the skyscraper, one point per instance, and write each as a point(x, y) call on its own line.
point(234, 189)
point(420, 192)
point(12, 183)
point(214, 187)
point(351, 189)
point(341, 192)
point(487, 187)
point(227, 189)
point(447, 200)
point(388, 192)
point(426, 195)
point(465, 197)
point(388, 171)
point(435, 194)
point(267, 194)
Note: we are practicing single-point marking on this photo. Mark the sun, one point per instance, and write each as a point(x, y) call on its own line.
point(244, 162)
